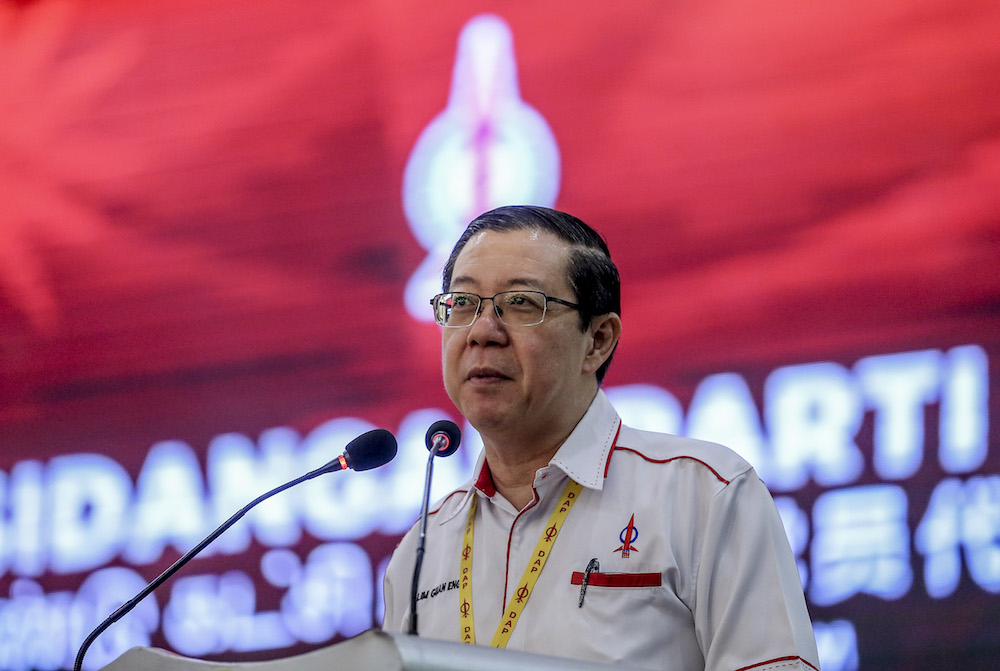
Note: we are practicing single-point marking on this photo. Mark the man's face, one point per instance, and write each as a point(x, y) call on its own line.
point(508, 380)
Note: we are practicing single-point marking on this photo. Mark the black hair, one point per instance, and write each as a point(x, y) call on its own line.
point(592, 274)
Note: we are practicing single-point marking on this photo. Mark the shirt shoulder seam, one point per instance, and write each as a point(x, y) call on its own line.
point(445, 500)
point(777, 662)
point(652, 460)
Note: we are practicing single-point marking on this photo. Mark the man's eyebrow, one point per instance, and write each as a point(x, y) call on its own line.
point(508, 284)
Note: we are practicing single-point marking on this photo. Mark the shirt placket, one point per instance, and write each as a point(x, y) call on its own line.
point(526, 529)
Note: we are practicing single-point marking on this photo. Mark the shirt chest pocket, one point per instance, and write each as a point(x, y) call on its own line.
point(600, 586)
point(623, 611)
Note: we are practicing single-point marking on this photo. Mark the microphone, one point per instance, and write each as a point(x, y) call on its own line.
point(367, 451)
point(443, 438)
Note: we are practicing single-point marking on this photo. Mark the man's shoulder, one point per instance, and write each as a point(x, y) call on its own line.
point(450, 503)
point(443, 510)
point(652, 449)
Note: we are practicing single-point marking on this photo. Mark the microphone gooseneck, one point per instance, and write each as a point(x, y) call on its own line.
point(442, 439)
point(369, 450)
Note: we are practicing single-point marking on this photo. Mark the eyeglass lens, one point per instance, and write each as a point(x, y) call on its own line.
point(514, 308)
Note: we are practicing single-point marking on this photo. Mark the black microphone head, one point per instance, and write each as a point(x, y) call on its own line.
point(447, 431)
point(370, 450)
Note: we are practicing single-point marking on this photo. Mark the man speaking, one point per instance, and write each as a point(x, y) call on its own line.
point(579, 536)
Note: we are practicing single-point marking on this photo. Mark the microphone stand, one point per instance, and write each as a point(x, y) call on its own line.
point(369, 450)
point(443, 438)
point(421, 541)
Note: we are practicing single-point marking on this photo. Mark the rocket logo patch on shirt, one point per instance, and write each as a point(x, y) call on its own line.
point(629, 535)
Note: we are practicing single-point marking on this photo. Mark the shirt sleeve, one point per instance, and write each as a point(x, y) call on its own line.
point(749, 608)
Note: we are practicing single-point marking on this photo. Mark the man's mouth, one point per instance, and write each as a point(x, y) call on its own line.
point(486, 375)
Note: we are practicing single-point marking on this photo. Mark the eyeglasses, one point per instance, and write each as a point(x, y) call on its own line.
point(514, 308)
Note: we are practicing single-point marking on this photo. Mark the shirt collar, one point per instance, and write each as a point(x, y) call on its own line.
point(484, 481)
point(481, 485)
point(584, 454)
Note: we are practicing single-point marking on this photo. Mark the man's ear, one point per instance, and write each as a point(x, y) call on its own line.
point(605, 330)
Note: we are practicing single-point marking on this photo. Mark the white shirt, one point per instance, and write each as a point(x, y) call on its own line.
point(706, 580)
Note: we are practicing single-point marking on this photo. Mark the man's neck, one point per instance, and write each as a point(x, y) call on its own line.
point(514, 475)
point(515, 453)
point(514, 460)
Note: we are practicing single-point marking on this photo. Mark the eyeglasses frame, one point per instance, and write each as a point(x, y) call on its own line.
point(492, 299)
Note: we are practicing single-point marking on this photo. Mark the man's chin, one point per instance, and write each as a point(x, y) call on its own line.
point(486, 416)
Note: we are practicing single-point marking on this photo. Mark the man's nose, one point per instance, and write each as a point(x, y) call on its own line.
point(488, 327)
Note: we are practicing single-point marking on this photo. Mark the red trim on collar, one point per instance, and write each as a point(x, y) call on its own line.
point(790, 658)
point(664, 461)
point(484, 482)
point(614, 446)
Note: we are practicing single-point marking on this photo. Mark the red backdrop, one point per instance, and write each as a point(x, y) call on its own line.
point(202, 232)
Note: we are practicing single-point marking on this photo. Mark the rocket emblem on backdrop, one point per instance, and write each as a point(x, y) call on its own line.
point(488, 147)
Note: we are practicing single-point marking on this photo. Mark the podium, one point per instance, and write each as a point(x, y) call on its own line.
point(374, 649)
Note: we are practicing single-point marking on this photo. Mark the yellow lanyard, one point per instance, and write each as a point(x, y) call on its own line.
point(520, 597)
